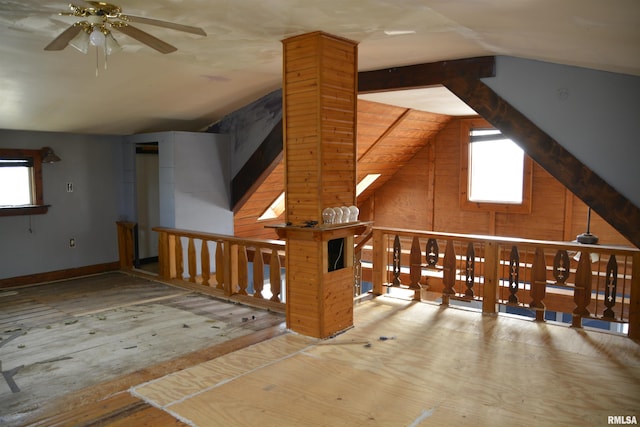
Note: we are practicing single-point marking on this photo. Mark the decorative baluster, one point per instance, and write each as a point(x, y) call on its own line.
point(449, 272)
point(415, 266)
point(514, 275)
point(243, 270)
point(205, 263)
point(397, 255)
point(470, 268)
point(191, 260)
point(582, 293)
point(539, 284)
point(432, 253)
point(179, 260)
point(258, 273)
point(561, 266)
point(219, 265)
point(274, 276)
point(611, 287)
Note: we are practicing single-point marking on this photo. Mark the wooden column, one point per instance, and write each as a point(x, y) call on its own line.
point(319, 120)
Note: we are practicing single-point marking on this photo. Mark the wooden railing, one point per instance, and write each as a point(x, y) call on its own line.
point(587, 282)
point(235, 266)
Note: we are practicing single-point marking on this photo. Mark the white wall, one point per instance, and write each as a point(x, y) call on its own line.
point(40, 243)
point(593, 114)
point(194, 174)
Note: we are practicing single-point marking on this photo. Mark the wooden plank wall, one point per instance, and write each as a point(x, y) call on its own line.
point(319, 119)
point(405, 201)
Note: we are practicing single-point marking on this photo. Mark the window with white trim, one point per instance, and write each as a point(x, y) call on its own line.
point(495, 173)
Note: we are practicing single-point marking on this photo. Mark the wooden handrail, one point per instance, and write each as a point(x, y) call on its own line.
point(599, 282)
point(587, 281)
point(230, 257)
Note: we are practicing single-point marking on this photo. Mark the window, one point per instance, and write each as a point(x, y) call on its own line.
point(275, 209)
point(495, 173)
point(21, 182)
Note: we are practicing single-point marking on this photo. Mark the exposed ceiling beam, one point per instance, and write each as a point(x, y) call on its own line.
point(424, 75)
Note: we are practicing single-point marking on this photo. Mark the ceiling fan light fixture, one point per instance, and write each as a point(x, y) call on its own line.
point(81, 41)
point(97, 37)
point(111, 45)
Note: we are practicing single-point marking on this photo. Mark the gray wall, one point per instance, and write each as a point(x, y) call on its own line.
point(593, 114)
point(33, 244)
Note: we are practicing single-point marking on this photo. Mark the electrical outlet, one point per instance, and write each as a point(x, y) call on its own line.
point(69, 187)
point(72, 242)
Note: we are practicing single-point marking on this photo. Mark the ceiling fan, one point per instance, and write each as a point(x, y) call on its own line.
point(100, 18)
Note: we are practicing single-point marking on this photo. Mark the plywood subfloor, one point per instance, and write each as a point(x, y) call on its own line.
point(62, 337)
point(410, 364)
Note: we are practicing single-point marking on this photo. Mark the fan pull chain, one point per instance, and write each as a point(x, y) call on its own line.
point(105, 55)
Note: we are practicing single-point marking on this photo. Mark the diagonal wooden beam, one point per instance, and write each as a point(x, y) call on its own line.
point(612, 206)
point(257, 168)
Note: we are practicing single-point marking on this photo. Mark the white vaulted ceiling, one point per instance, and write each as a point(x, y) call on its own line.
point(240, 60)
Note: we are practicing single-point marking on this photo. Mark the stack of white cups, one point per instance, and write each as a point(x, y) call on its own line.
point(340, 215)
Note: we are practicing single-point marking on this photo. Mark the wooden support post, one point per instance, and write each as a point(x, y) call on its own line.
point(491, 277)
point(319, 119)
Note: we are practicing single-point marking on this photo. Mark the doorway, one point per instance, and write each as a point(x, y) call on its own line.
point(148, 206)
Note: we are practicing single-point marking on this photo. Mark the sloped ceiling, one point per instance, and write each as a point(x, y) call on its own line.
point(240, 60)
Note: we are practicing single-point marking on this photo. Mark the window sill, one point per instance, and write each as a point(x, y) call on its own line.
point(23, 210)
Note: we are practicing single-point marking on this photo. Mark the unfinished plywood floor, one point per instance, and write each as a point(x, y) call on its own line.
point(62, 337)
point(410, 364)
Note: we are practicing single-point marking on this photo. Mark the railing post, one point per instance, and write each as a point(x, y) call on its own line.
point(163, 255)
point(125, 244)
point(379, 259)
point(634, 299)
point(491, 277)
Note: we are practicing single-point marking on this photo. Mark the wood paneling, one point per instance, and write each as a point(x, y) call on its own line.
point(403, 201)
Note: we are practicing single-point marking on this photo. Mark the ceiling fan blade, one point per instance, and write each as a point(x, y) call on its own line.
point(64, 38)
point(146, 38)
point(165, 24)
